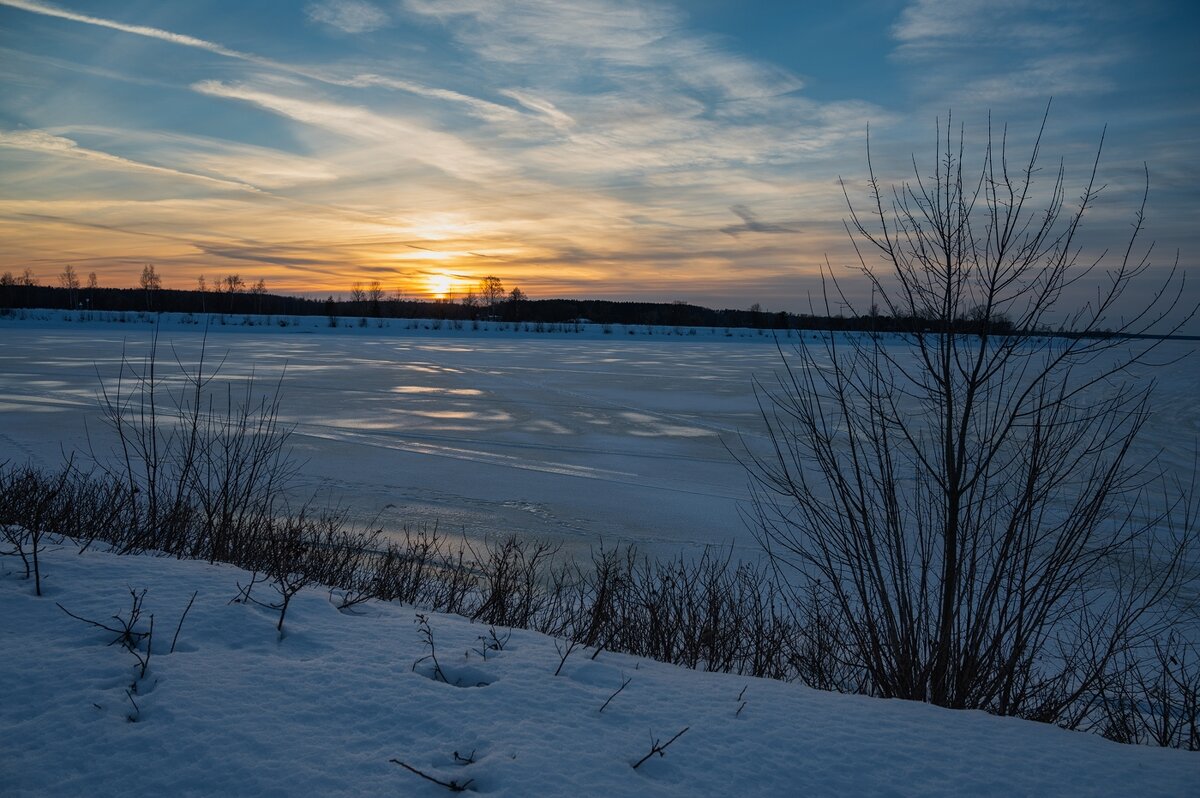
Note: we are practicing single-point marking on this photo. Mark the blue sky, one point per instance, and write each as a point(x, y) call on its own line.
point(580, 148)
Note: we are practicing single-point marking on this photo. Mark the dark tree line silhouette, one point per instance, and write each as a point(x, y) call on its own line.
point(28, 296)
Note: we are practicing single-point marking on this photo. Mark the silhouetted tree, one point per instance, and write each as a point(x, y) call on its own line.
point(491, 291)
point(515, 300)
point(150, 283)
point(375, 296)
point(259, 290)
point(69, 280)
point(233, 285)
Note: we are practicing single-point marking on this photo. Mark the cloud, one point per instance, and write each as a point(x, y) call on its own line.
point(752, 224)
point(481, 108)
point(46, 143)
point(1004, 52)
point(927, 26)
point(51, 10)
point(443, 151)
point(524, 31)
point(348, 16)
point(541, 106)
point(265, 254)
point(606, 41)
point(488, 110)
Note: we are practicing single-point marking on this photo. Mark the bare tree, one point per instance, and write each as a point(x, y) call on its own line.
point(375, 296)
point(957, 509)
point(491, 291)
point(150, 279)
point(515, 300)
point(92, 284)
point(259, 290)
point(233, 285)
point(150, 282)
point(69, 280)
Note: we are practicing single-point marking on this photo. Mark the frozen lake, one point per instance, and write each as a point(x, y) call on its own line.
point(569, 437)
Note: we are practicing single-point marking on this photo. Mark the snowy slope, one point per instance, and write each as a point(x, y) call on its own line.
point(236, 710)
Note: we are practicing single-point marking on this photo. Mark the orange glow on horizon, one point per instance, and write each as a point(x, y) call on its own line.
point(440, 285)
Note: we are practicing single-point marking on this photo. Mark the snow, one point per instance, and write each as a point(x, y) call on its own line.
point(236, 710)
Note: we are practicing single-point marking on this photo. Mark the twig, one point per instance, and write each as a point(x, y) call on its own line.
point(181, 617)
point(624, 684)
point(118, 632)
point(427, 633)
point(659, 748)
point(571, 646)
point(137, 711)
point(452, 786)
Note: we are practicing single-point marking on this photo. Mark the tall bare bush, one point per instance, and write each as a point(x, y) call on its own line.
point(206, 466)
point(958, 508)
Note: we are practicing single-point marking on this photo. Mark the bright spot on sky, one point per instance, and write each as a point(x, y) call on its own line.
point(440, 285)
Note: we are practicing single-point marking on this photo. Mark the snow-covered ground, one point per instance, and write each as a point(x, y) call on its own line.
point(236, 710)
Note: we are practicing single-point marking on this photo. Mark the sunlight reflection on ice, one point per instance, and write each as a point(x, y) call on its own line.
point(429, 389)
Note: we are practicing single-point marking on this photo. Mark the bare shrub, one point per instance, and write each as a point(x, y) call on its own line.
point(207, 468)
point(510, 592)
point(956, 509)
point(34, 505)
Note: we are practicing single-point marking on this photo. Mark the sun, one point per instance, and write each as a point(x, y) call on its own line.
point(440, 285)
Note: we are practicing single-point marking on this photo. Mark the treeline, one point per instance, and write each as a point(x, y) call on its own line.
point(549, 311)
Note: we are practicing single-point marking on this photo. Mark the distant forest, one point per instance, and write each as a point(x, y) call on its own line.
point(23, 295)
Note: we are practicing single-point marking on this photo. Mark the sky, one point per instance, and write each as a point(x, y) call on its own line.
point(580, 148)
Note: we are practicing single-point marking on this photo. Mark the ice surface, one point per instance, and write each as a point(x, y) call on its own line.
point(572, 437)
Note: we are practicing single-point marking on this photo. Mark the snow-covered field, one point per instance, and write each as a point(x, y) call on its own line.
point(571, 437)
point(236, 710)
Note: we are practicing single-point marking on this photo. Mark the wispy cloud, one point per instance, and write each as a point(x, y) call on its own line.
point(541, 106)
point(351, 80)
point(1004, 52)
point(443, 151)
point(51, 10)
point(348, 16)
point(752, 224)
point(49, 144)
point(928, 26)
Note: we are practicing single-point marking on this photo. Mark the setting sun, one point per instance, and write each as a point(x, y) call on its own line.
point(440, 285)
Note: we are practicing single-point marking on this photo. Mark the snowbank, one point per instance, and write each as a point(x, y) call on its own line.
point(236, 710)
